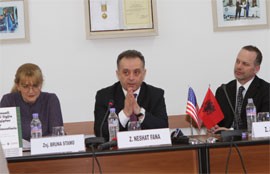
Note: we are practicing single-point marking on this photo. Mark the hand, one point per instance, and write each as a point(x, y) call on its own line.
point(136, 108)
point(215, 129)
point(130, 103)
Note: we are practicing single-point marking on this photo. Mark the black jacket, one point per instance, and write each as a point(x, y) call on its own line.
point(150, 98)
point(258, 91)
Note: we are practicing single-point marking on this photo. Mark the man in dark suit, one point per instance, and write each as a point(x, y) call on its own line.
point(148, 104)
point(246, 67)
point(238, 10)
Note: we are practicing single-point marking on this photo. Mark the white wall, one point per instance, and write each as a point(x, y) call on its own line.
point(186, 53)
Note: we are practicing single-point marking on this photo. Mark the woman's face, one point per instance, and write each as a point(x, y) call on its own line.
point(30, 90)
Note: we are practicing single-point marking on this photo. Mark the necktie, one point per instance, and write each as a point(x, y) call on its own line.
point(133, 116)
point(238, 121)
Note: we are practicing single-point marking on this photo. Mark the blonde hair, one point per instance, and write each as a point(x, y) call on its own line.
point(25, 71)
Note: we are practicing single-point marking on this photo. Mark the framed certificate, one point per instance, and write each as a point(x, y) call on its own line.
point(120, 18)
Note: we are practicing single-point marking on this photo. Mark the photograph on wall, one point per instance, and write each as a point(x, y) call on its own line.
point(13, 24)
point(239, 14)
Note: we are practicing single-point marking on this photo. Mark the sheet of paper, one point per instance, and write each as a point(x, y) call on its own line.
point(137, 14)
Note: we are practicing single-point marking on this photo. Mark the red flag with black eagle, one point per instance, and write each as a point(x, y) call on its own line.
point(210, 112)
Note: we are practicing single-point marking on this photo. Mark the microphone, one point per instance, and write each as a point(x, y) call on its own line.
point(93, 141)
point(229, 101)
point(178, 137)
point(110, 104)
point(98, 140)
point(107, 145)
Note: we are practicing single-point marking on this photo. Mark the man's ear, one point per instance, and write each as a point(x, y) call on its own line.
point(144, 74)
point(117, 74)
point(257, 69)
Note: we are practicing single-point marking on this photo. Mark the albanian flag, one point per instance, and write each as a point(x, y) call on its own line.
point(210, 112)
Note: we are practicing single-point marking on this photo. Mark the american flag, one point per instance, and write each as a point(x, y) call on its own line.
point(192, 107)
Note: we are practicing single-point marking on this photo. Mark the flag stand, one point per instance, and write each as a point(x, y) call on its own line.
point(191, 127)
point(192, 140)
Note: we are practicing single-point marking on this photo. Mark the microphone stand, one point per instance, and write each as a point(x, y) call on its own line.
point(102, 124)
point(191, 126)
point(99, 140)
point(228, 99)
point(192, 140)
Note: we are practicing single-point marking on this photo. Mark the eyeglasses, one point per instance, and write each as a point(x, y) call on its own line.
point(28, 87)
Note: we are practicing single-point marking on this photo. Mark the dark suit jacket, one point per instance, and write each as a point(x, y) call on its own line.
point(258, 91)
point(150, 98)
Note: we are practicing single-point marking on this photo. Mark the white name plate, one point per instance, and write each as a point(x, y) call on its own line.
point(261, 129)
point(58, 144)
point(11, 152)
point(143, 138)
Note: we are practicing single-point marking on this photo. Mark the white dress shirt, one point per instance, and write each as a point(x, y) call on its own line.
point(123, 118)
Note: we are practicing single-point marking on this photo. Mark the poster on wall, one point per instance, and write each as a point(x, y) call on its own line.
point(13, 20)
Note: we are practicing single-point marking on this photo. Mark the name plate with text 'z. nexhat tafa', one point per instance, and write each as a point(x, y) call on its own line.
point(57, 144)
point(144, 138)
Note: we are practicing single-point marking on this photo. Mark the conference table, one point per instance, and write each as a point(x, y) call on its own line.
point(182, 158)
point(254, 152)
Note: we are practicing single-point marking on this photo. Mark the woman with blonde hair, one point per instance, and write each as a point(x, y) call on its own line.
point(27, 95)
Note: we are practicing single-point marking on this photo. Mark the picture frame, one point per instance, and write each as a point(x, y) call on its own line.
point(120, 18)
point(250, 14)
point(14, 21)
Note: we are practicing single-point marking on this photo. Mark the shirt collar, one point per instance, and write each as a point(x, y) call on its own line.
point(246, 85)
point(135, 92)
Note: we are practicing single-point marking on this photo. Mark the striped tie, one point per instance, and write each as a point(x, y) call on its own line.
point(238, 121)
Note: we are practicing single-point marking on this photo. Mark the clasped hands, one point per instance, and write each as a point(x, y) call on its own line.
point(131, 105)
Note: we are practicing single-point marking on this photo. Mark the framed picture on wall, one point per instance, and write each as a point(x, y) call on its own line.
point(120, 18)
point(240, 14)
point(13, 20)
